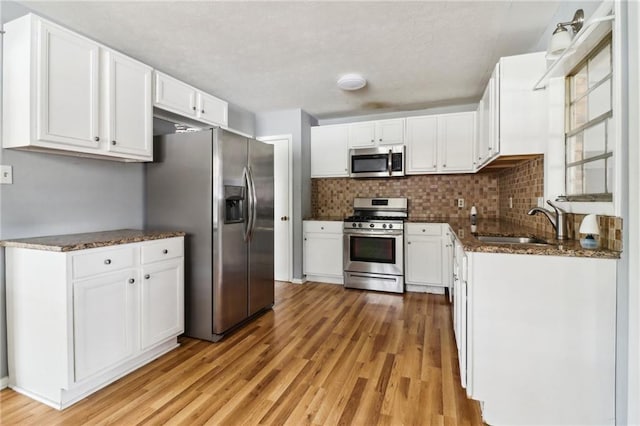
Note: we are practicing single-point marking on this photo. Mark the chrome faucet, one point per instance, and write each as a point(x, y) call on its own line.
point(559, 221)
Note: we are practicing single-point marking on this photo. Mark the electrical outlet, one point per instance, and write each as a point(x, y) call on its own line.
point(460, 203)
point(6, 175)
point(540, 201)
point(510, 202)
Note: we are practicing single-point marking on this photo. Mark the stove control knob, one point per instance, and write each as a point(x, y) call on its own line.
point(371, 225)
point(384, 225)
point(390, 226)
point(359, 225)
point(353, 224)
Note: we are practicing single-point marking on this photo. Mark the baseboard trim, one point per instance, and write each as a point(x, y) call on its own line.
point(4, 382)
point(299, 280)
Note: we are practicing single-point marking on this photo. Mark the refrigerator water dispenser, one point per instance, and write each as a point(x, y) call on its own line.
point(234, 204)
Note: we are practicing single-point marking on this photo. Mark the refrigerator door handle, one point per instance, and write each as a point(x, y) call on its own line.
point(253, 199)
point(247, 223)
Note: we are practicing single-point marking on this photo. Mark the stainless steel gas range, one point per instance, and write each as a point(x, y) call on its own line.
point(373, 244)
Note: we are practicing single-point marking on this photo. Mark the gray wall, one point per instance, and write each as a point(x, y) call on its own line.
point(296, 123)
point(400, 114)
point(53, 194)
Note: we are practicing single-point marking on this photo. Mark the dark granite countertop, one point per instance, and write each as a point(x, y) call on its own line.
point(467, 233)
point(326, 218)
point(72, 242)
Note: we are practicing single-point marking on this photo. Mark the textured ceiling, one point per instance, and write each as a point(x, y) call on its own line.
point(279, 55)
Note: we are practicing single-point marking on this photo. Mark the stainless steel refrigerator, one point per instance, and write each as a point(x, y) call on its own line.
point(217, 187)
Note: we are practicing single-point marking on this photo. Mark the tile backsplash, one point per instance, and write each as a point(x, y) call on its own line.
point(429, 195)
point(435, 196)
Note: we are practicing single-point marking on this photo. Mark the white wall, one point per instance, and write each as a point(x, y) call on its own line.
point(296, 123)
point(631, 221)
point(400, 114)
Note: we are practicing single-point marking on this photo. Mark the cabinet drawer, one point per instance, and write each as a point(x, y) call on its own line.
point(323, 226)
point(168, 248)
point(423, 228)
point(102, 261)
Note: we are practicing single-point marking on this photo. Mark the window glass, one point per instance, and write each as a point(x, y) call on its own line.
point(599, 100)
point(594, 177)
point(594, 140)
point(599, 66)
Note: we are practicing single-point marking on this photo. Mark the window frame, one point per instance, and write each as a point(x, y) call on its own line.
point(607, 118)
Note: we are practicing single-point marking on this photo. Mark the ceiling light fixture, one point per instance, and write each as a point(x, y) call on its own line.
point(560, 39)
point(351, 82)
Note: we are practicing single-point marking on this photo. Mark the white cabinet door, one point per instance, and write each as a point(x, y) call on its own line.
point(161, 303)
point(174, 96)
point(483, 136)
point(212, 110)
point(104, 321)
point(329, 151)
point(390, 132)
point(129, 112)
point(67, 101)
point(323, 254)
point(362, 135)
point(424, 260)
point(422, 144)
point(456, 134)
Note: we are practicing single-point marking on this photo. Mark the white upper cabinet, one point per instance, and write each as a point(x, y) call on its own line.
point(488, 123)
point(175, 96)
point(128, 105)
point(441, 143)
point(329, 151)
point(422, 144)
point(66, 94)
point(67, 102)
point(523, 111)
point(374, 133)
point(512, 118)
point(362, 135)
point(456, 137)
point(211, 109)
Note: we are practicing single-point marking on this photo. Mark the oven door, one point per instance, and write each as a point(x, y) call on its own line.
point(376, 252)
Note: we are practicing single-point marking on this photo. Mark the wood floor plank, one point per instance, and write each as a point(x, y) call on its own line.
point(323, 356)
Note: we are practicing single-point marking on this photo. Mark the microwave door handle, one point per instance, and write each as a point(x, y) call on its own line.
point(390, 162)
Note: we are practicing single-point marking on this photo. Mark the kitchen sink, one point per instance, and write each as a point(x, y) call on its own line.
point(510, 240)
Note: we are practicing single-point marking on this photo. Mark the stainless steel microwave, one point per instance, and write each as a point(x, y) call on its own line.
point(384, 161)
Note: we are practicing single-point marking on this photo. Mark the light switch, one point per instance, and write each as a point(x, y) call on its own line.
point(6, 175)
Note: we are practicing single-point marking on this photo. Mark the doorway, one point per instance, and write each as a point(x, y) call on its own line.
point(283, 187)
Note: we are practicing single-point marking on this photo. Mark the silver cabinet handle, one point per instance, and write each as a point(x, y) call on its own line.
point(202, 111)
point(97, 139)
point(107, 261)
point(131, 281)
point(380, 139)
point(444, 165)
point(165, 251)
point(194, 108)
point(147, 276)
point(409, 242)
point(113, 142)
point(322, 228)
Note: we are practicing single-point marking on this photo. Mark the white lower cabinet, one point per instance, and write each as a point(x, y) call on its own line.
point(540, 338)
point(323, 247)
point(162, 302)
point(84, 318)
point(104, 325)
point(425, 257)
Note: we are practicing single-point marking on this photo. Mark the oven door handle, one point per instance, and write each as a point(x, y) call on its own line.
point(390, 162)
point(367, 233)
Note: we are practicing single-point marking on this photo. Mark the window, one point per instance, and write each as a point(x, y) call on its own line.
point(588, 126)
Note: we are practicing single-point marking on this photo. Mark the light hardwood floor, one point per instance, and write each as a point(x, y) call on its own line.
point(324, 355)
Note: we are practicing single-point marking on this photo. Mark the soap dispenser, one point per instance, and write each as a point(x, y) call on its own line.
point(474, 215)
